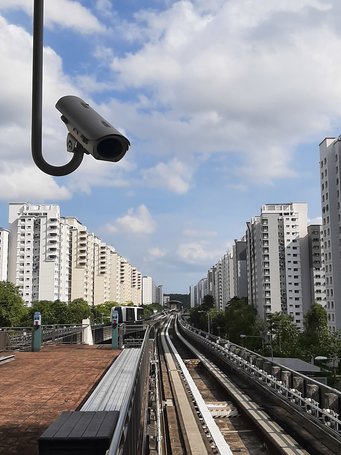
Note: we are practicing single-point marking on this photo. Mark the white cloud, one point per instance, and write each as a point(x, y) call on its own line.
point(254, 82)
point(198, 252)
point(93, 173)
point(316, 220)
point(199, 233)
point(20, 182)
point(157, 252)
point(137, 221)
point(65, 13)
point(105, 7)
point(174, 176)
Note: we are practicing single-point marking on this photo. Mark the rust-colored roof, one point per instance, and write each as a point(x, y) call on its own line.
point(37, 386)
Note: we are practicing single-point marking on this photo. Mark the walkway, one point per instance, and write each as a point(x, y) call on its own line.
point(36, 387)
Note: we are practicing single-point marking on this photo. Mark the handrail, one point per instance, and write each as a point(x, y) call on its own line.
point(329, 418)
point(118, 440)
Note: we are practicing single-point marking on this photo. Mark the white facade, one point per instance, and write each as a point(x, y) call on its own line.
point(198, 292)
point(4, 236)
point(316, 264)
point(56, 258)
point(239, 268)
point(278, 261)
point(151, 292)
point(147, 290)
point(223, 290)
point(36, 252)
point(330, 173)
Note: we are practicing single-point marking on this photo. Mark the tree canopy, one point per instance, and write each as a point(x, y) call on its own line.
point(12, 306)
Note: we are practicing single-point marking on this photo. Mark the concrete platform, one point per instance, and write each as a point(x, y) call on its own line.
point(38, 386)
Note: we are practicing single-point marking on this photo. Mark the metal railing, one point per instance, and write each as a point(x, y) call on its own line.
point(127, 438)
point(20, 338)
point(245, 361)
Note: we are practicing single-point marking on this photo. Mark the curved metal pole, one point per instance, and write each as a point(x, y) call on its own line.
point(37, 89)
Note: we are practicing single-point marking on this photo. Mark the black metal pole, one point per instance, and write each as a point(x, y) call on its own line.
point(37, 100)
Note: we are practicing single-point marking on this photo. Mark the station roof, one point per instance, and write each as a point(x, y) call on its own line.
point(296, 364)
point(37, 387)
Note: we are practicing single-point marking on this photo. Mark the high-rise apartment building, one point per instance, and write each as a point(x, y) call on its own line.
point(3, 254)
point(330, 173)
point(316, 264)
point(198, 292)
point(38, 252)
point(57, 258)
point(151, 293)
point(239, 268)
point(226, 287)
point(278, 261)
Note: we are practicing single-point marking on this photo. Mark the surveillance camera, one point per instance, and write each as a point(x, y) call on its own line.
point(90, 132)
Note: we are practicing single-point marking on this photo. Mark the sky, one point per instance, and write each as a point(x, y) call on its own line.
point(224, 102)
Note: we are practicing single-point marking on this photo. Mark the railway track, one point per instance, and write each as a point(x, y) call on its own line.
point(192, 387)
point(197, 416)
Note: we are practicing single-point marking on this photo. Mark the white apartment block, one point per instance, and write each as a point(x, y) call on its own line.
point(330, 172)
point(38, 253)
point(316, 264)
point(56, 258)
point(151, 292)
point(147, 290)
point(130, 283)
point(4, 235)
point(278, 261)
point(223, 290)
point(198, 292)
point(239, 268)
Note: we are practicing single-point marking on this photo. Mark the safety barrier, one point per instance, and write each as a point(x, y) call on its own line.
point(318, 401)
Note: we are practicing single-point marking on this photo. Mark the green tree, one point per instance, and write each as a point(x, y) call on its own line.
point(56, 312)
point(285, 335)
point(78, 310)
point(316, 338)
point(240, 318)
point(148, 310)
point(102, 311)
point(217, 318)
point(208, 302)
point(198, 317)
point(12, 306)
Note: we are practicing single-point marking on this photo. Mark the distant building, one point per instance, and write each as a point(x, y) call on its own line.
point(240, 268)
point(316, 264)
point(4, 235)
point(56, 258)
point(278, 261)
point(151, 292)
point(38, 252)
point(330, 173)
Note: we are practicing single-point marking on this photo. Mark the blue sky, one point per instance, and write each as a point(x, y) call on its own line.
point(224, 102)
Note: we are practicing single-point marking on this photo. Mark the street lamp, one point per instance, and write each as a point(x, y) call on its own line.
point(208, 320)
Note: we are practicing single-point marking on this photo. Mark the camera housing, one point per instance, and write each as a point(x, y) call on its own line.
point(90, 132)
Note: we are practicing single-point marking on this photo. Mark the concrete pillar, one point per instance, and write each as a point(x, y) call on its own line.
point(276, 371)
point(252, 359)
point(330, 401)
point(298, 383)
point(286, 378)
point(267, 366)
point(313, 391)
point(87, 337)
